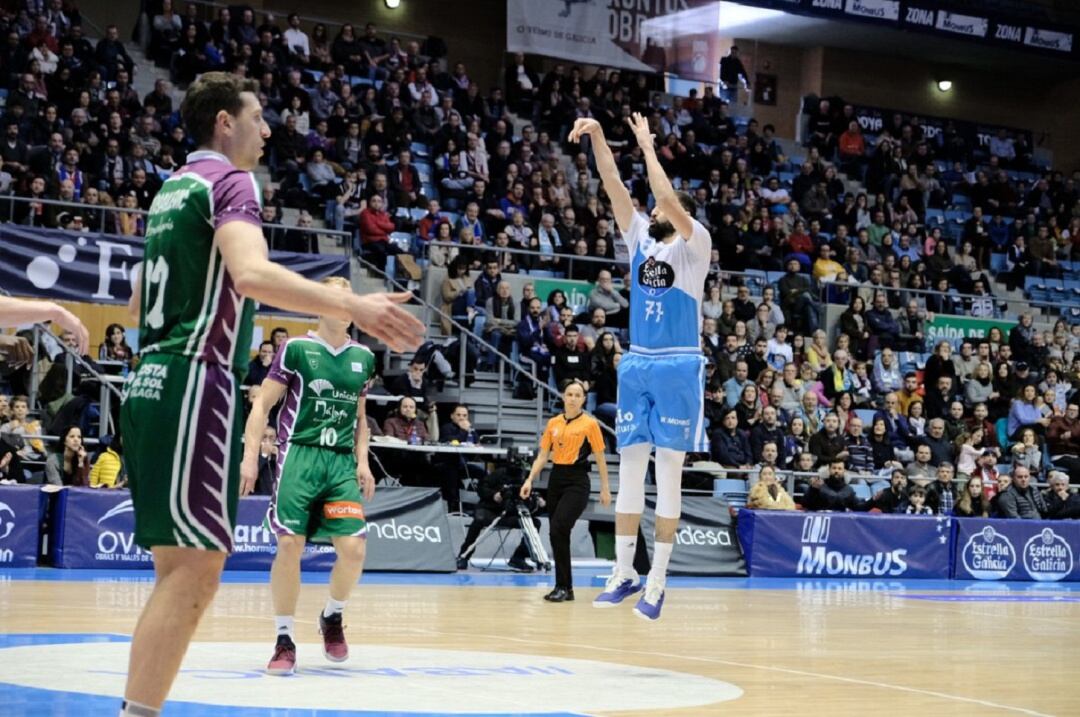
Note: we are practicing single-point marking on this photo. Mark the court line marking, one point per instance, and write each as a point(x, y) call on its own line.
point(747, 665)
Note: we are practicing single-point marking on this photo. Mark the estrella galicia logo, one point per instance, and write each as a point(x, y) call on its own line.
point(655, 277)
point(988, 555)
point(1047, 556)
point(7, 520)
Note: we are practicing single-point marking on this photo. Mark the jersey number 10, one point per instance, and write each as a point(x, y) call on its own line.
point(328, 437)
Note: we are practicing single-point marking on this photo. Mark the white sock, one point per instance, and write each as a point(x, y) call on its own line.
point(134, 709)
point(284, 625)
point(334, 607)
point(625, 546)
point(661, 556)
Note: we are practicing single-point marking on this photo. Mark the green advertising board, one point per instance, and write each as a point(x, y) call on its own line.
point(955, 329)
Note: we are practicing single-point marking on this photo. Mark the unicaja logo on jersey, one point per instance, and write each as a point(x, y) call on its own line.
point(988, 555)
point(319, 385)
point(1047, 556)
point(655, 277)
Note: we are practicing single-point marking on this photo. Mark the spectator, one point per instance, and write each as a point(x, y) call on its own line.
point(415, 384)
point(941, 494)
point(1063, 440)
point(729, 446)
point(917, 502)
point(829, 444)
point(972, 501)
point(893, 499)
point(1024, 413)
point(1061, 503)
point(501, 324)
point(570, 361)
point(768, 494)
point(1021, 499)
point(1026, 452)
point(859, 449)
point(530, 338)
point(69, 464)
point(833, 492)
point(405, 424)
point(604, 296)
point(375, 228)
point(259, 366)
point(108, 467)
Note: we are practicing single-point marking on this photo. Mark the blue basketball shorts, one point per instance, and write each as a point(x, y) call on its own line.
point(662, 401)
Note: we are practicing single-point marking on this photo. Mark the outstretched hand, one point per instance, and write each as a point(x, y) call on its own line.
point(380, 315)
point(584, 126)
point(642, 133)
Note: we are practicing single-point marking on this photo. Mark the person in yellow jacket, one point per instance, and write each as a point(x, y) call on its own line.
point(106, 469)
point(768, 494)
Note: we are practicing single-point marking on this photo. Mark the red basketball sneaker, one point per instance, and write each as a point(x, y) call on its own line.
point(284, 660)
point(334, 646)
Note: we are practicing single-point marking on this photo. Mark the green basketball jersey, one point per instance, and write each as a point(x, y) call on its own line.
point(189, 304)
point(324, 384)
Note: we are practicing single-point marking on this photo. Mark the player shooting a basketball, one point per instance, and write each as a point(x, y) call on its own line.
point(660, 399)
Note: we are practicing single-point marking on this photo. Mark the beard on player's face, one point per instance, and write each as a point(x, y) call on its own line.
point(660, 229)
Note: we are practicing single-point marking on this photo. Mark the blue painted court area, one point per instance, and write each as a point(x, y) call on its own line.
point(594, 577)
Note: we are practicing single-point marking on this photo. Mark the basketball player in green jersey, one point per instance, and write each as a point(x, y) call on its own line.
point(205, 265)
point(322, 476)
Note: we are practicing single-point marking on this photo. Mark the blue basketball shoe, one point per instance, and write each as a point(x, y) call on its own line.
point(619, 587)
point(650, 604)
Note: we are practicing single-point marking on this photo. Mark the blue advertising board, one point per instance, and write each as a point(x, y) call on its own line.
point(407, 530)
point(1039, 550)
point(844, 545)
point(20, 522)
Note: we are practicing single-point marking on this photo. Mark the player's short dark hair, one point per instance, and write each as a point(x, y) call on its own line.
point(208, 95)
point(687, 202)
point(279, 329)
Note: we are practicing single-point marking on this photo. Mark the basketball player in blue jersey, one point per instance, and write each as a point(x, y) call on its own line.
point(660, 401)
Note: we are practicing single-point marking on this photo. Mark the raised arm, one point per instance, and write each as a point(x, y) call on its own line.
point(621, 205)
point(666, 199)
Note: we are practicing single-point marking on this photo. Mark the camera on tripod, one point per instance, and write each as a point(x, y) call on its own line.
point(518, 461)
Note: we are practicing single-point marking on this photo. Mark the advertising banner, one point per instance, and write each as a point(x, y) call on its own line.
point(407, 531)
point(844, 545)
point(20, 521)
point(676, 36)
point(705, 543)
point(955, 329)
point(978, 22)
point(100, 268)
point(577, 292)
point(1039, 550)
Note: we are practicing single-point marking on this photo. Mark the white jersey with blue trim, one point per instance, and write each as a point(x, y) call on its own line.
point(668, 284)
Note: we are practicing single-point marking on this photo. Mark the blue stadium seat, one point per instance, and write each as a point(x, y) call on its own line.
point(998, 263)
point(867, 416)
point(723, 486)
point(419, 149)
point(862, 491)
point(774, 277)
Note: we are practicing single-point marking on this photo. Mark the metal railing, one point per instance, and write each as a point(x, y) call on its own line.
point(81, 208)
point(1051, 306)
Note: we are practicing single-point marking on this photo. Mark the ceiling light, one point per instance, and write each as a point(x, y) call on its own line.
point(393, 4)
point(943, 85)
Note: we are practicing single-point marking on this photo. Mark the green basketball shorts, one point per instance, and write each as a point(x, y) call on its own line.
point(182, 428)
point(316, 494)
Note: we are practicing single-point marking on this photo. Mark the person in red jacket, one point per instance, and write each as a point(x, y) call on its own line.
point(376, 224)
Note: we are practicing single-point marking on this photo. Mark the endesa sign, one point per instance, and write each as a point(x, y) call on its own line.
point(407, 531)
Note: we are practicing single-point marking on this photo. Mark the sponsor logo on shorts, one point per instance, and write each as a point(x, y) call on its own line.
point(343, 509)
point(147, 382)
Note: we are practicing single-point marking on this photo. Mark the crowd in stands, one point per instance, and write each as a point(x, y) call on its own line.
point(392, 141)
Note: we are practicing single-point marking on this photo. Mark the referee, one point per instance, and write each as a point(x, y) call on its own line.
point(568, 440)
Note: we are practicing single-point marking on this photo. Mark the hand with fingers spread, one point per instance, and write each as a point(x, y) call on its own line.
point(584, 126)
point(380, 316)
point(640, 127)
point(67, 320)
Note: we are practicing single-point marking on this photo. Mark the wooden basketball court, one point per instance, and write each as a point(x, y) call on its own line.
point(488, 644)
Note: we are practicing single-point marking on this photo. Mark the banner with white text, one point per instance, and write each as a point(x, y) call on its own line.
point(676, 36)
point(100, 268)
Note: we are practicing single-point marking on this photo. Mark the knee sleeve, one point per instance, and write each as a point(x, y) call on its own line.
point(669, 466)
point(633, 463)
